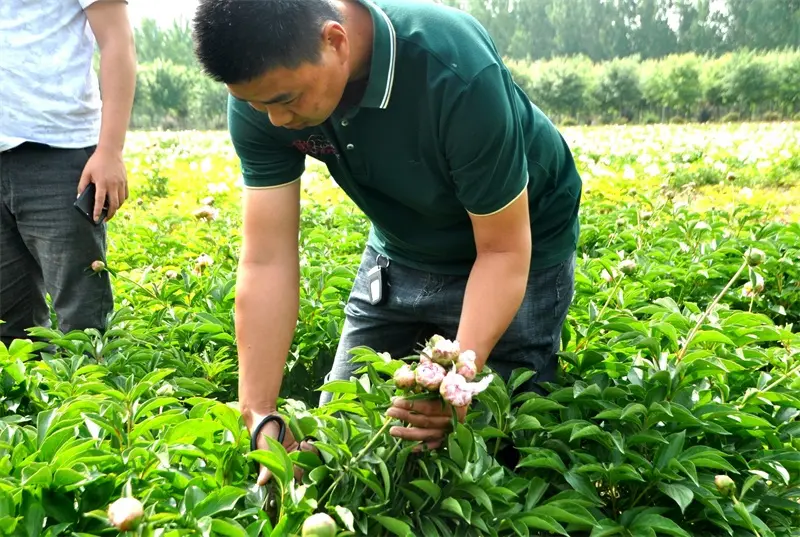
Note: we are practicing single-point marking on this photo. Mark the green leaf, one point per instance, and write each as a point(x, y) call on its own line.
point(396, 526)
point(671, 451)
point(338, 386)
point(680, 493)
point(566, 512)
point(228, 527)
point(345, 516)
point(452, 505)
point(525, 422)
point(711, 336)
point(431, 489)
point(271, 461)
point(220, 500)
point(582, 484)
point(543, 522)
point(659, 524)
point(607, 528)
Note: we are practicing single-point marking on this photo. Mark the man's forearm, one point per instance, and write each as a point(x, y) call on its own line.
point(495, 290)
point(267, 301)
point(117, 86)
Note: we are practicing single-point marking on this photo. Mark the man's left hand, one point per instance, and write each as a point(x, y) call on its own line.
point(429, 420)
point(107, 171)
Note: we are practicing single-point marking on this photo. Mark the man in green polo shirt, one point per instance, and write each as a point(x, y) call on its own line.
point(472, 193)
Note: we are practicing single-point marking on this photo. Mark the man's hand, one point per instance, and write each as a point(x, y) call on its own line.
point(429, 420)
point(107, 171)
point(272, 429)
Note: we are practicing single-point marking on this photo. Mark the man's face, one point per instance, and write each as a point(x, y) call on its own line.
point(301, 97)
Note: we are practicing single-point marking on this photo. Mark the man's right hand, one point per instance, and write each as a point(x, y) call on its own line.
point(272, 429)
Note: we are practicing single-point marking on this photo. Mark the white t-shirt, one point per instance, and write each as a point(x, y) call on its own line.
point(49, 90)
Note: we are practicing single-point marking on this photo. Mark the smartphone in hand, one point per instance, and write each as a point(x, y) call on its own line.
point(85, 204)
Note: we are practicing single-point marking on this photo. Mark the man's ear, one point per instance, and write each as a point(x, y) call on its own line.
point(335, 36)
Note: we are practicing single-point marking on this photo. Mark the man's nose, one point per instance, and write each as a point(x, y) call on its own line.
point(279, 116)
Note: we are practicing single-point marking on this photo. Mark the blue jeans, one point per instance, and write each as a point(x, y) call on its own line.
point(420, 304)
point(46, 246)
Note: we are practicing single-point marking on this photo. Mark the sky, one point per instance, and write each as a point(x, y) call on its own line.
point(163, 11)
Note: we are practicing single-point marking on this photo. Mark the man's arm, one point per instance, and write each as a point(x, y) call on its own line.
point(267, 295)
point(109, 22)
point(496, 284)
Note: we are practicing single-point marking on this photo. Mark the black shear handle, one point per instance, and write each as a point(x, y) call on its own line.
point(261, 424)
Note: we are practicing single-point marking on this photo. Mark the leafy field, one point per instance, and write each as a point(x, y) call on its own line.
point(681, 363)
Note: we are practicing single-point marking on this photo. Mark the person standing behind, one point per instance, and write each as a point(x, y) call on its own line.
point(57, 136)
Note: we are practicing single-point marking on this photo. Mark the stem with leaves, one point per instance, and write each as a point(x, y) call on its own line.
point(386, 422)
point(708, 310)
point(592, 324)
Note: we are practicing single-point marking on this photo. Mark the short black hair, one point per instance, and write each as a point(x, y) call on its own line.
point(236, 41)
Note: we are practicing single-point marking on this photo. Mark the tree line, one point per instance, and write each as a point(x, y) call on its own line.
point(608, 29)
point(582, 61)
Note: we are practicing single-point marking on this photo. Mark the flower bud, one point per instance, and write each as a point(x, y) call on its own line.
point(404, 377)
point(627, 266)
point(98, 266)
point(429, 376)
point(465, 366)
point(454, 390)
point(319, 525)
point(725, 485)
point(458, 392)
point(125, 513)
point(754, 257)
point(441, 350)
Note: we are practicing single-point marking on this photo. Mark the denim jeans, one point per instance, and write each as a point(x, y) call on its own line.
point(420, 304)
point(46, 246)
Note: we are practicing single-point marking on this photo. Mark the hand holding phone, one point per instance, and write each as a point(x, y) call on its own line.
point(85, 204)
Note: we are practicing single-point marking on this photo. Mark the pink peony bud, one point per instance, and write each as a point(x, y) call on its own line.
point(404, 377)
point(455, 391)
point(429, 376)
point(458, 392)
point(98, 266)
point(465, 366)
point(125, 512)
point(441, 350)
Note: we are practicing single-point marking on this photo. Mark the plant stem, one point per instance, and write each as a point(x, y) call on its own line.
point(359, 455)
point(613, 292)
point(710, 307)
point(791, 372)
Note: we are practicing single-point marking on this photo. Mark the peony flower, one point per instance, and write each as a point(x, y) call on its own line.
point(319, 525)
point(429, 376)
point(124, 513)
point(465, 366)
point(749, 290)
point(441, 350)
point(627, 266)
point(98, 266)
point(206, 213)
point(725, 485)
point(404, 377)
point(457, 391)
point(754, 257)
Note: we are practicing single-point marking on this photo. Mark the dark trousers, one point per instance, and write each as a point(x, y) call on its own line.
point(46, 246)
point(421, 304)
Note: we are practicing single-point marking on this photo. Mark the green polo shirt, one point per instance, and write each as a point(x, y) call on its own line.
point(441, 130)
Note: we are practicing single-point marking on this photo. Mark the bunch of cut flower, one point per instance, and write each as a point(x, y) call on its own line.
point(444, 368)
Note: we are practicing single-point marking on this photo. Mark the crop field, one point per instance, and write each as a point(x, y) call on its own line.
point(677, 411)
